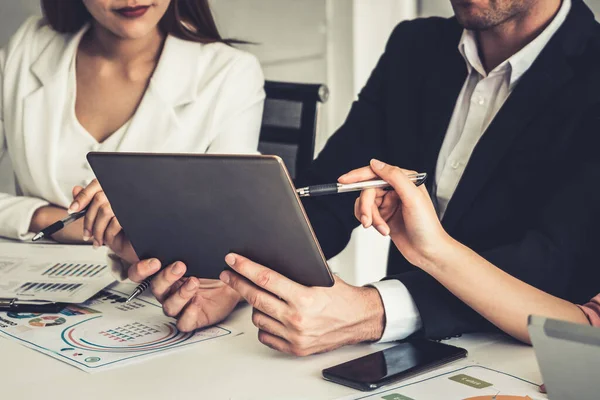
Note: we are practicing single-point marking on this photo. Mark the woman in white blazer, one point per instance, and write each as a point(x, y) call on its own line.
point(115, 75)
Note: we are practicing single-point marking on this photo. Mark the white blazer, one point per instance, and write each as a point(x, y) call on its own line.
point(201, 99)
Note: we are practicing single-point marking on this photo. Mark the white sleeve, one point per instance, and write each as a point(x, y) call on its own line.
point(402, 317)
point(243, 99)
point(15, 211)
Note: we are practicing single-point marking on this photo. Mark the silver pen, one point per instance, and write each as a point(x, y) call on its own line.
point(334, 188)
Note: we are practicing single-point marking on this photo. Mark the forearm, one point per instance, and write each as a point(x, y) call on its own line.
point(500, 298)
point(47, 215)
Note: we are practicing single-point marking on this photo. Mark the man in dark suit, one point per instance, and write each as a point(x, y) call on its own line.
point(510, 142)
point(500, 106)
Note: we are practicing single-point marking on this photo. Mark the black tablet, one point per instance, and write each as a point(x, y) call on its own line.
point(198, 208)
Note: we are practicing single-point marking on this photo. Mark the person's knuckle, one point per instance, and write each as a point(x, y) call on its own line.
point(263, 337)
point(155, 289)
point(186, 325)
point(257, 320)
point(297, 322)
point(255, 300)
point(299, 351)
point(169, 310)
point(264, 278)
point(105, 210)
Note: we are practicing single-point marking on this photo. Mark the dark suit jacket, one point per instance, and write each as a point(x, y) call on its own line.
point(528, 200)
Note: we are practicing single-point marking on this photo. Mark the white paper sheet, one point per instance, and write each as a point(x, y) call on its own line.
point(464, 382)
point(104, 332)
point(69, 274)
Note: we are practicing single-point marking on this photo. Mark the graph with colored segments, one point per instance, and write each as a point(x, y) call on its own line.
point(467, 382)
point(104, 332)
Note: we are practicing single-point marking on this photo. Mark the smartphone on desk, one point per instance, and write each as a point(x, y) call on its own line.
point(394, 364)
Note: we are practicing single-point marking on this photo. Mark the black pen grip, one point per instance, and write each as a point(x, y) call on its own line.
point(52, 229)
point(323, 190)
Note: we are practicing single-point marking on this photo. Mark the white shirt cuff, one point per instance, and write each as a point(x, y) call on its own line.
point(402, 317)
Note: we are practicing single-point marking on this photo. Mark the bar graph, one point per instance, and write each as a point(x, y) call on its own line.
point(74, 270)
point(36, 287)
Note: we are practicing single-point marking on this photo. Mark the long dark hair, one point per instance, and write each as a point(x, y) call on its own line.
point(186, 19)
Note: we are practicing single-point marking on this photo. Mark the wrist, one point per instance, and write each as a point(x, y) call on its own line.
point(373, 323)
point(435, 259)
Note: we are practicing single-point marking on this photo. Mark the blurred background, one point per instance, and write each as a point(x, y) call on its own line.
point(336, 42)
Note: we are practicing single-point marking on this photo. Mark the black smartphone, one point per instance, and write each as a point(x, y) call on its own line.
point(394, 364)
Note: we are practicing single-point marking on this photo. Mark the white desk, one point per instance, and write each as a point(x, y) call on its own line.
point(232, 368)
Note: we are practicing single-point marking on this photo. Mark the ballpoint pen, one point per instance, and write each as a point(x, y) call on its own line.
point(139, 289)
point(334, 188)
point(58, 225)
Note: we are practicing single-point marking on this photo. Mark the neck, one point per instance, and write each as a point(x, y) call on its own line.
point(498, 44)
point(127, 52)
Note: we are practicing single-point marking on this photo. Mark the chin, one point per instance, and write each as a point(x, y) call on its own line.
point(474, 21)
point(130, 31)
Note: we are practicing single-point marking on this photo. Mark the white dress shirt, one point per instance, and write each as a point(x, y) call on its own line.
point(201, 98)
point(480, 99)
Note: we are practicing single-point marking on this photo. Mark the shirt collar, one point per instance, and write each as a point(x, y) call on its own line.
point(521, 61)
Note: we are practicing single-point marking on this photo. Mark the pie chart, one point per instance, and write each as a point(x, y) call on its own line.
point(47, 321)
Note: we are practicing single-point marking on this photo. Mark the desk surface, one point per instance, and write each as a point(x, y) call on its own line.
point(232, 368)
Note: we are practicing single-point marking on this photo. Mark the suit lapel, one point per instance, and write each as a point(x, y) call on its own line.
point(548, 74)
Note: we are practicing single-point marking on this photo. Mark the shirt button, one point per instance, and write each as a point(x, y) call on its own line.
point(481, 100)
point(96, 147)
point(455, 164)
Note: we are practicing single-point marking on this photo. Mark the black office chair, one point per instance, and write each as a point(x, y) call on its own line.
point(289, 125)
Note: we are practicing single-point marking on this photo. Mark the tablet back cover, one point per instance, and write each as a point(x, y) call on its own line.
point(198, 208)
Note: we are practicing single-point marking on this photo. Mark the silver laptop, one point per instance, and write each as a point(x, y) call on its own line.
point(569, 358)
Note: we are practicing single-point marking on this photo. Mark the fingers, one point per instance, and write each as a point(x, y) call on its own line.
point(397, 178)
point(191, 318)
point(97, 218)
point(378, 222)
point(165, 279)
point(175, 303)
point(103, 219)
point(274, 342)
point(358, 175)
point(265, 323)
point(84, 197)
point(255, 296)
point(112, 231)
point(367, 202)
point(262, 277)
point(76, 190)
point(143, 269)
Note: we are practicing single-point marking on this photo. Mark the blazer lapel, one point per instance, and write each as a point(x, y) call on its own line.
point(438, 101)
point(549, 73)
point(42, 123)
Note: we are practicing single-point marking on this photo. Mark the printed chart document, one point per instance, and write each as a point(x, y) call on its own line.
point(468, 382)
point(62, 274)
point(104, 332)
